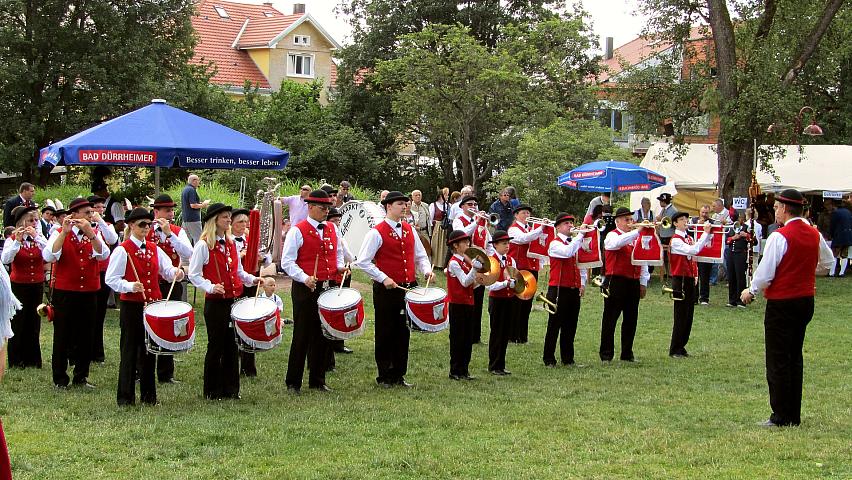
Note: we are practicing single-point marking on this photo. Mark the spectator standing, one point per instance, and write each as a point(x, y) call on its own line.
point(503, 208)
point(343, 193)
point(602, 199)
point(841, 238)
point(720, 216)
point(421, 213)
point(644, 213)
point(24, 197)
point(190, 208)
point(297, 208)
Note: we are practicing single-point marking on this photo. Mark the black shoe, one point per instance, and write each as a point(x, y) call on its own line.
point(330, 370)
point(730, 305)
point(85, 385)
point(550, 364)
point(500, 372)
point(57, 386)
point(453, 376)
point(293, 390)
point(402, 383)
point(678, 355)
point(768, 424)
point(345, 350)
point(385, 384)
point(468, 377)
point(320, 388)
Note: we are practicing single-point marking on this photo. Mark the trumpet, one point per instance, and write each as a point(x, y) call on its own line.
point(699, 227)
point(492, 218)
point(548, 305)
point(665, 222)
point(541, 221)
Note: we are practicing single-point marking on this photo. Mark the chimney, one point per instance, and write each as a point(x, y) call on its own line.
point(608, 49)
point(267, 4)
point(298, 8)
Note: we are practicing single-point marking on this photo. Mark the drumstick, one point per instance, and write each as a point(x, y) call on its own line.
point(171, 288)
point(410, 290)
point(429, 279)
point(256, 294)
point(133, 266)
point(342, 281)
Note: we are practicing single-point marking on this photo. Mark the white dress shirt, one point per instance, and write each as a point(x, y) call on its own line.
point(614, 241)
point(471, 228)
point(520, 236)
point(200, 257)
point(11, 247)
point(558, 249)
point(680, 247)
point(49, 257)
point(293, 242)
point(372, 243)
point(117, 267)
point(510, 283)
point(180, 242)
point(455, 270)
point(297, 208)
point(773, 253)
point(108, 232)
point(275, 298)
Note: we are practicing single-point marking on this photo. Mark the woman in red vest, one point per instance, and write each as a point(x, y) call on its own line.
point(461, 280)
point(215, 268)
point(684, 273)
point(134, 271)
point(519, 247)
point(787, 277)
point(22, 251)
point(566, 285)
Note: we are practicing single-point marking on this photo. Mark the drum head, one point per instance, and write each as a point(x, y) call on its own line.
point(358, 218)
point(426, 295)
point(338, 298)
point(253, 308)
point(168, 308)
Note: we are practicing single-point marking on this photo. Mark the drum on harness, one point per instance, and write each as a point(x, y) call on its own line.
point(169, 327)
point(257, 324)
point(341, 312)
point(427, 308)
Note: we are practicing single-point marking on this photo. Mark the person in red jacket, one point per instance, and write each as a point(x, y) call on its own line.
point(519, 247)
point(684, 273)
point(787, 277)
point(461, 275)
point(566, 285)
point(134, 270)
point(502, 305)
point(76, 248)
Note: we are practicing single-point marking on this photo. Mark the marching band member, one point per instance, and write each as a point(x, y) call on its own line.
point(76, 248)
point(502, 305)
point(48, 218)
point(337, 346)
point(518, 249)
point(174, 241)
point(787, 277)
point(22, 251)
point(684, 273)
point(111, 238)
point(215, 259)
point(480, 237)
point(239, 229)
point(566, 285)
point(8, 305)
point(627, 284)
point(461, 278)
point(312, 257)
point(134, 270)
point(398, 254)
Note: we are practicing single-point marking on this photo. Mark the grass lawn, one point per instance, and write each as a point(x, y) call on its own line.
point(659, 418)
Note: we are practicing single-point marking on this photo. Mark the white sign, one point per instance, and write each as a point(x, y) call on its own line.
point(838, 195)
point(740, 203)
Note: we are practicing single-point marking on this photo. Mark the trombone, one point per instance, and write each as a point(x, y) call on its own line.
point(548, 305)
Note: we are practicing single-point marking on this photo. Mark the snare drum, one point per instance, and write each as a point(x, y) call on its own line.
point(341, 312)
point(257, 324)
point(169, 327)
point(427, 308)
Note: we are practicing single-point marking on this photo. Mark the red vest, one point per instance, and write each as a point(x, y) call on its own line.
point(28, 266)
point(395, 258)
point(618, 261)
point(146, 265)
point(479, 236)
point(564, 271)
point(683, 266)
point(167, 247)
point(439, 213)
point(519, 251)
point(318, 253)
point(794, 276)
point(223, 269)
point(505, 292)
point(456, 293)
point(76, 270)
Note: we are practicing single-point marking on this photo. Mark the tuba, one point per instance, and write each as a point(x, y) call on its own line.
point(268, 228)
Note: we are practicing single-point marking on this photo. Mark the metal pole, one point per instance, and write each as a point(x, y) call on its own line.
point(156, 181)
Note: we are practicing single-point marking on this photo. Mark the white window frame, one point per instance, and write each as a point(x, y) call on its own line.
point(221, 12)
point(291, 68)
point(305, 40)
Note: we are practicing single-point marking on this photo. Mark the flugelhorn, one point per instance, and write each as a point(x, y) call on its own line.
point(548, 305)
point(492, 218)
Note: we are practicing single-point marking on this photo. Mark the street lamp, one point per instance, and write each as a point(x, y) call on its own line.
point(812, 130)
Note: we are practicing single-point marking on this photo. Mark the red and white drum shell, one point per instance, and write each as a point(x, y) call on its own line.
point(538, 247)
point(170, 327)
point(589, 254)
point(257, 324)
point(713, 249)
point(428, 308)
point(647, 250)
point(341, 312)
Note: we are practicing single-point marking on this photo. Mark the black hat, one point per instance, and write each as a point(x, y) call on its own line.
point(791, 197)
point(19, 212)
point(319, 197)
point(563, 217)
point(139, 213)
point(622, 212)
point(96, 199)
point(78, 202)
point(677, 215)
point(394, 196)
point(466, 199)
point(163, 200)
point(522, 207)
point(499, 236)
point(61, 211)
point(48, 208)
point(239, 211)
point(333, 213)
point(329, 189)
point(455, 236)
point(665, 197)
point(214, 210)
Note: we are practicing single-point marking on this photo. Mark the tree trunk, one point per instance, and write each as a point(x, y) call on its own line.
point(468, 178)
point(735, 164)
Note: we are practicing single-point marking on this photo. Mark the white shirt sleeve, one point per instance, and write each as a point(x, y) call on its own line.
point(466, 279)
point(421, 259)
point(680, 247)
point(557, 249)
point(10, 249)
point(469, 229)
point(47, 252)
point(104, 253)
point(644, 276)
point(200, 256)
point(520, 237)
point(108, 232)
point(115, 271)
point(117, 211)
point(614, 241)
point(289, 253)
point(372, 243)
point(180, 242)
point(341, 248)
point(164, 264)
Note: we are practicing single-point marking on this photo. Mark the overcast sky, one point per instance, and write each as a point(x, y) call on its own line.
point(612, 18)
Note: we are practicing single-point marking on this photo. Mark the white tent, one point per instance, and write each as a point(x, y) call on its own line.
point(693, 177)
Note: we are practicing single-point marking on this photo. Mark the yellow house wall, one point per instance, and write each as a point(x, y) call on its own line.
point(260, 57)
point(320, 48)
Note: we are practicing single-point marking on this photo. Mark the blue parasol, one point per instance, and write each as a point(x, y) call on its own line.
point(611, 176)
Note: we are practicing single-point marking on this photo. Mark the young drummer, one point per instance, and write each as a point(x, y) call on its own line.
point(684, 273)
point(134, 270)
point(566, 285)
point(502, 305)
point(461, 280)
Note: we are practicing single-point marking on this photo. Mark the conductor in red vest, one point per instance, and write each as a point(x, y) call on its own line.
point(787, 277)
point(76, 248)
point(391, 255)
point(684, 272)
point(627, 284)
point(519, 247)
point(312, 257)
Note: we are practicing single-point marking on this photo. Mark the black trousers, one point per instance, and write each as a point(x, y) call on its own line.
point(784, 325)
point(684, 310)
point(133, 353)
point(501, 310)
point(392, 333)
point(735, 264)
point(165, 364)
point(336, 346)
point(461, 338)
point(221, 363)
point(567, 302)
point(308, 340)
point(98, 326)
point(24, 349)
point(247, 363)
point(478, 301)
point(519, 332)
point(623, 299)
point(74, 315)
point(704, 271)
